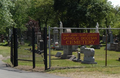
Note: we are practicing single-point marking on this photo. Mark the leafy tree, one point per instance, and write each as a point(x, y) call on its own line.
point(19, 13)
point(5, 14)
point(42, 11)
point(81, 13)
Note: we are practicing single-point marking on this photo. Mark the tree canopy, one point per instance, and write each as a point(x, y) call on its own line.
point(73, 13)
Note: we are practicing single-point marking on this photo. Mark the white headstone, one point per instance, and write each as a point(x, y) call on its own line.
point(89, 56)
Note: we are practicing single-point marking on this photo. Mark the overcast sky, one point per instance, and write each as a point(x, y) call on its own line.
point(115, 2)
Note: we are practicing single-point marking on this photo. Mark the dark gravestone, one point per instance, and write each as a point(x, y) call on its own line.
point(58, 54)
point(41, 45)
point(77, 59)
point(113, 46)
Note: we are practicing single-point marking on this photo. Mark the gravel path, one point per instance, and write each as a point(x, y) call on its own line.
point(89, 75)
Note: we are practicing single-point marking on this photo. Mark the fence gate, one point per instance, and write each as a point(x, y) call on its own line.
point(28, 48)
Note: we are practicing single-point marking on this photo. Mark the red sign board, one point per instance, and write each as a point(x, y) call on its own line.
point(80, 38)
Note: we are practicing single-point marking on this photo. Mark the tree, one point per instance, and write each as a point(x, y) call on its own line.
point(5, 14)
point(19, 13)
point(42, 11)
point(81, 13)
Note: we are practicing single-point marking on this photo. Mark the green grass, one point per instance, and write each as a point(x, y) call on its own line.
point(65, 65)
point(5, 50)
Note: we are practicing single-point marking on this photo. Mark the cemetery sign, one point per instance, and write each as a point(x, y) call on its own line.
point(80, 38)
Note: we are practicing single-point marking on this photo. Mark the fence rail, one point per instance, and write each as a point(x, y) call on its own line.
point(83, 28)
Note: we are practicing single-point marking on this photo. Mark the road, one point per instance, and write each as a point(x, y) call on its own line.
point(8, 72)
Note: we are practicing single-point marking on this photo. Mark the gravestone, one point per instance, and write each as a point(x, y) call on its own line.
point(61, 31)
point(22, 41)
point(38, 40)
point(67, 49)
point(41, 45)
point(89, 56)
point(82, 49)
point(78, 58)
point(108, 46)
point(58, 54)
point(113, 46)
point(118, 47)
point(111, 35)
point(55, 32)
point(97, 31)
point(104, 38)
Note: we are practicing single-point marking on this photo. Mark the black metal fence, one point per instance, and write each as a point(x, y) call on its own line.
point(29, 48)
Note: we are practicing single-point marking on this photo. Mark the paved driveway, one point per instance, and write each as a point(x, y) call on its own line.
point(8, 72)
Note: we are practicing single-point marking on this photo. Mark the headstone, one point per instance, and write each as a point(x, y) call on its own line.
point(108, 46)
point(111, 35)
point(22, 41)
point(61, 31)
point(97, 31)
point(38, 40)
point(55, 32)
point(41, 45)
point(89, 56)
point(67, 49)
point(96, 46)
point(113, 46)
point(77, 59)
point(104, 38)
point(118, 47)
point(58, 54)
point(82, 49)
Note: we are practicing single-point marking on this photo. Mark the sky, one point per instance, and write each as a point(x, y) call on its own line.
point(115, 2)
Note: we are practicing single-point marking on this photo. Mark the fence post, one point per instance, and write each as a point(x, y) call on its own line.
point(33, 46)
point(49, 50)
point(12, 46)
point(106, 49)
point(45, 47)
point(15, 47)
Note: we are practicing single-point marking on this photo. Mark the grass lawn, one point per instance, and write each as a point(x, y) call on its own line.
point(64, 66)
